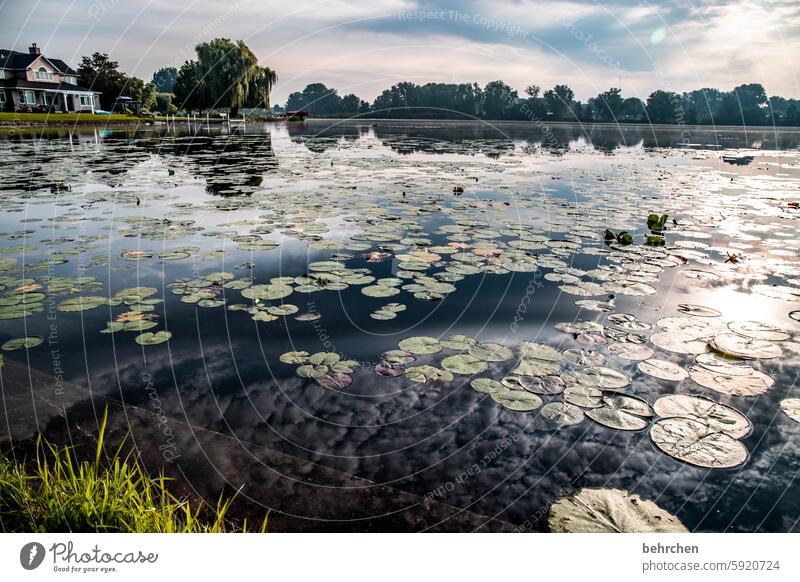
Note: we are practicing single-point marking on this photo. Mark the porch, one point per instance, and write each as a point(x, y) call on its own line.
point(47, 100)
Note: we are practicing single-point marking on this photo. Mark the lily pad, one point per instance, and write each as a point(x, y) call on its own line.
point(420, 345)
point(630, 351)
point(490, 352)
point(750, 384)
point(518, 400)
point(464, 364)
point(388, 370)
point(294, 357)
point(22, 342)
point(610, 511)
point(425, 373)
point(562, 413)
point(733, 344)
point(791, 406)
point(622, 411)
point(694, 442)
point(716, 416)
point(584, 358)
point(486, 385)
point(153, 338)
point(663, 370)
point(584, 396)
point(758, 330)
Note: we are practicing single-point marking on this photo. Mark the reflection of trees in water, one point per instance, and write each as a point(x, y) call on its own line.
point(497, 138)
point(231, 164)
point(320, 140)
point(55, 156)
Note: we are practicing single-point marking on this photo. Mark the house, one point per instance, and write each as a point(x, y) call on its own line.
point(35, 83)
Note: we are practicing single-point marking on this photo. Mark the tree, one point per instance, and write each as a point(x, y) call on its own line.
point(351, 104)
point(225, 74)
point(144, 93)
point(498, 100)
point(792, 116)
point(165, 79)
point(188, 93)
point(260, 87)
point(703, 105)
point(559, 100)
point(164, 103)
point(608, 105)
point(317, 99)
point(745, 105)
point(662, 106)
point(633, 109)
point(100, 73)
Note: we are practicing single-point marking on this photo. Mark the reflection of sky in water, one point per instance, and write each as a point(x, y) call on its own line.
point(221, 371)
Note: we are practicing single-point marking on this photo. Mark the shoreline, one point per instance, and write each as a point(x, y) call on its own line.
point(6, 125)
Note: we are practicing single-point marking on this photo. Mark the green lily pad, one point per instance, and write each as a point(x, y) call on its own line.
point(486, 385)
point(152, 338)
point(424, 373)
point(84, 303)
point(420, 345)
point(490, 352)
point(518, 400)
point(562, 413)
point(22, 342)
point(294, 357)
point(269, 292)
point(464, 364)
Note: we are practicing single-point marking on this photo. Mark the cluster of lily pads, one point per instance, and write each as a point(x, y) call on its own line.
point(327, 369)
point(433, 241)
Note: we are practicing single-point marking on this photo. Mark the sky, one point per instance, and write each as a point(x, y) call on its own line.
point(365, 46)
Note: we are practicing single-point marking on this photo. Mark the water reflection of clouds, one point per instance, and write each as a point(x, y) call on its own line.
point(418, 437)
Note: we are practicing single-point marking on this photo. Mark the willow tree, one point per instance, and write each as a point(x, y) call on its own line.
point(227, 74)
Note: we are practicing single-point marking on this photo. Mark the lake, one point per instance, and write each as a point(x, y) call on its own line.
point(474, 314)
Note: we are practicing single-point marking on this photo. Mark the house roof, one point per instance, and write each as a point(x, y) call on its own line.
point(16, 60)
point(63, 67)
point(16, 83)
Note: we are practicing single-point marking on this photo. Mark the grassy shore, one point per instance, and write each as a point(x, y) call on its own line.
point(57, 493)
point(47, 118)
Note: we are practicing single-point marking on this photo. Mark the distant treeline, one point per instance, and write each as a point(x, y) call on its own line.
point(746, 105)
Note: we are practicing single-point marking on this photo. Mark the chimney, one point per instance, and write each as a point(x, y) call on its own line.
point(34, 50)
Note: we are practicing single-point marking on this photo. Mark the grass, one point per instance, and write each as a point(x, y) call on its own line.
point(60, 494)
point(8, 117)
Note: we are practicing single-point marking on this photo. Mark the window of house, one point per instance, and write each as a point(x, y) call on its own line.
point(2, 96)
point(29, 97)
point(86, 100)
point(47, 99)
point(71, 80)
point(43, 75)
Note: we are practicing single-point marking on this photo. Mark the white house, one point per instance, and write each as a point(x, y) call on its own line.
point(36, 83)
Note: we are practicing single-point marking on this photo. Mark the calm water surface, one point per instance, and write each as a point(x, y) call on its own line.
point(503, 262)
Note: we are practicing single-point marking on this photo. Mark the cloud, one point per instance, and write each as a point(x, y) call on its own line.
point(365, 46)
